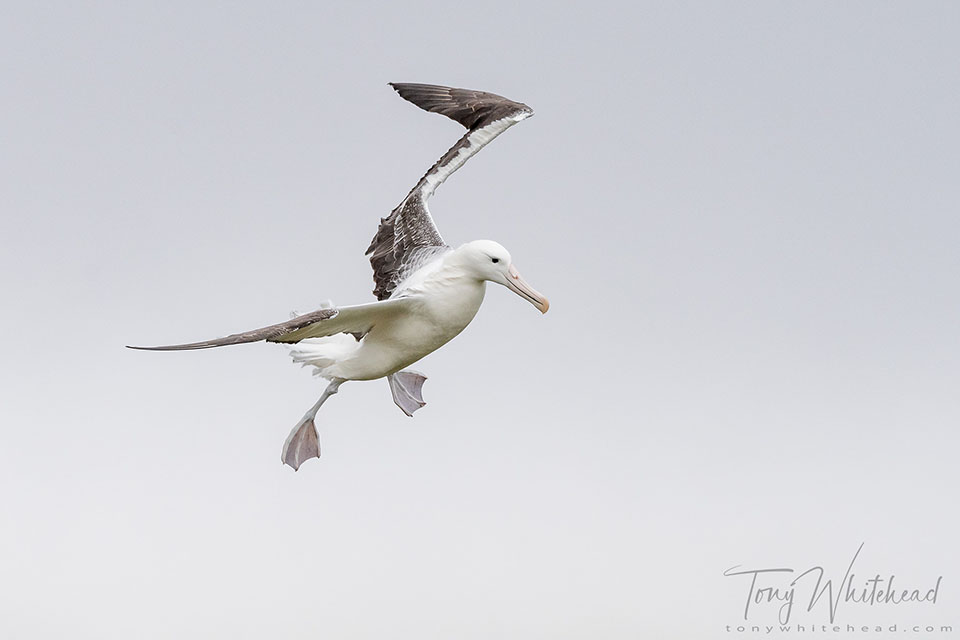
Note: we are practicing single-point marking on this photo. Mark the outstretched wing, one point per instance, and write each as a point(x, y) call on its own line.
point(357, 319)
point(408, 238)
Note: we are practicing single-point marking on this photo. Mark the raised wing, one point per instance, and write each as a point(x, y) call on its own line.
point(408, 238)
point(358, 319)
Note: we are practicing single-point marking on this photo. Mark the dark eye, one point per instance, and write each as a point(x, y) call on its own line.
point(495, 260)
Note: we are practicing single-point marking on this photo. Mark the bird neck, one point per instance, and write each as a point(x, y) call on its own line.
point(459, 264)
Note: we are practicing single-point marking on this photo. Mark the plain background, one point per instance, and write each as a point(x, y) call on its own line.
point(745, 216)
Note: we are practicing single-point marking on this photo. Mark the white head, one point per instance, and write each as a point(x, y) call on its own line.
point(488, 260)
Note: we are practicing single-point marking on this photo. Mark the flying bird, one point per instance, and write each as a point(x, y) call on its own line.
point(427, 292)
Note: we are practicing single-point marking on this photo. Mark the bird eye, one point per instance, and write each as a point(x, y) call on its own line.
point(495, 260)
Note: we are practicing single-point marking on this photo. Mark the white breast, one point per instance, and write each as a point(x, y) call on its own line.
point(445, 303)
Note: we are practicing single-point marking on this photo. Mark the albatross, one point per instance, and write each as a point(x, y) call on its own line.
point(427, 292)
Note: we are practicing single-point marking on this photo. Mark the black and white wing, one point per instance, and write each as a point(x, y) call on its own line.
point(408, 238)
point(356, 319)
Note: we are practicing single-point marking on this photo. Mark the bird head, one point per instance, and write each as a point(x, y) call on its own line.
point(488, 260)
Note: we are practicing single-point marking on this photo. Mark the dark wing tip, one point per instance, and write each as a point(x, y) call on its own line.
point(468, 107)
point(273, 333)
point(176, 347)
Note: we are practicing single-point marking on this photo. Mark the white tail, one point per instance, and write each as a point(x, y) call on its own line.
point(325, 352)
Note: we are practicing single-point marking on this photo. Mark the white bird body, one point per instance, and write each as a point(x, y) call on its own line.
point(438, 302)
point(427, 292)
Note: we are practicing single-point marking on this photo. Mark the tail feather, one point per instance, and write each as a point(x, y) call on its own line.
point(324, 353)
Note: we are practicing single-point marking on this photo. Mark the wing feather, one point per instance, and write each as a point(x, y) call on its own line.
point(408, 235)
point(358, 319)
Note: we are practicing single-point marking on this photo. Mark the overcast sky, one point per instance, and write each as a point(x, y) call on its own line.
point(745, 216)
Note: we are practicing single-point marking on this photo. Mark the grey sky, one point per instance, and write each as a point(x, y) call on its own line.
point(745, 216)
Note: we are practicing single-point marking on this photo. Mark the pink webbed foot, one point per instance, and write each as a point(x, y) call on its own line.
point(406, 388)
point(302, 444)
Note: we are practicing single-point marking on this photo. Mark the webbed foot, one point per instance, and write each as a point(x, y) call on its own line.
point(406, 389)
point(302, 444)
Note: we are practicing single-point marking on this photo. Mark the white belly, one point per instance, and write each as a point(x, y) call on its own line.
point(443, 310)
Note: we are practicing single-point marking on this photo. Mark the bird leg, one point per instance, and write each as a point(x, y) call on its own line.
point(405, 387)
point(303, 442)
